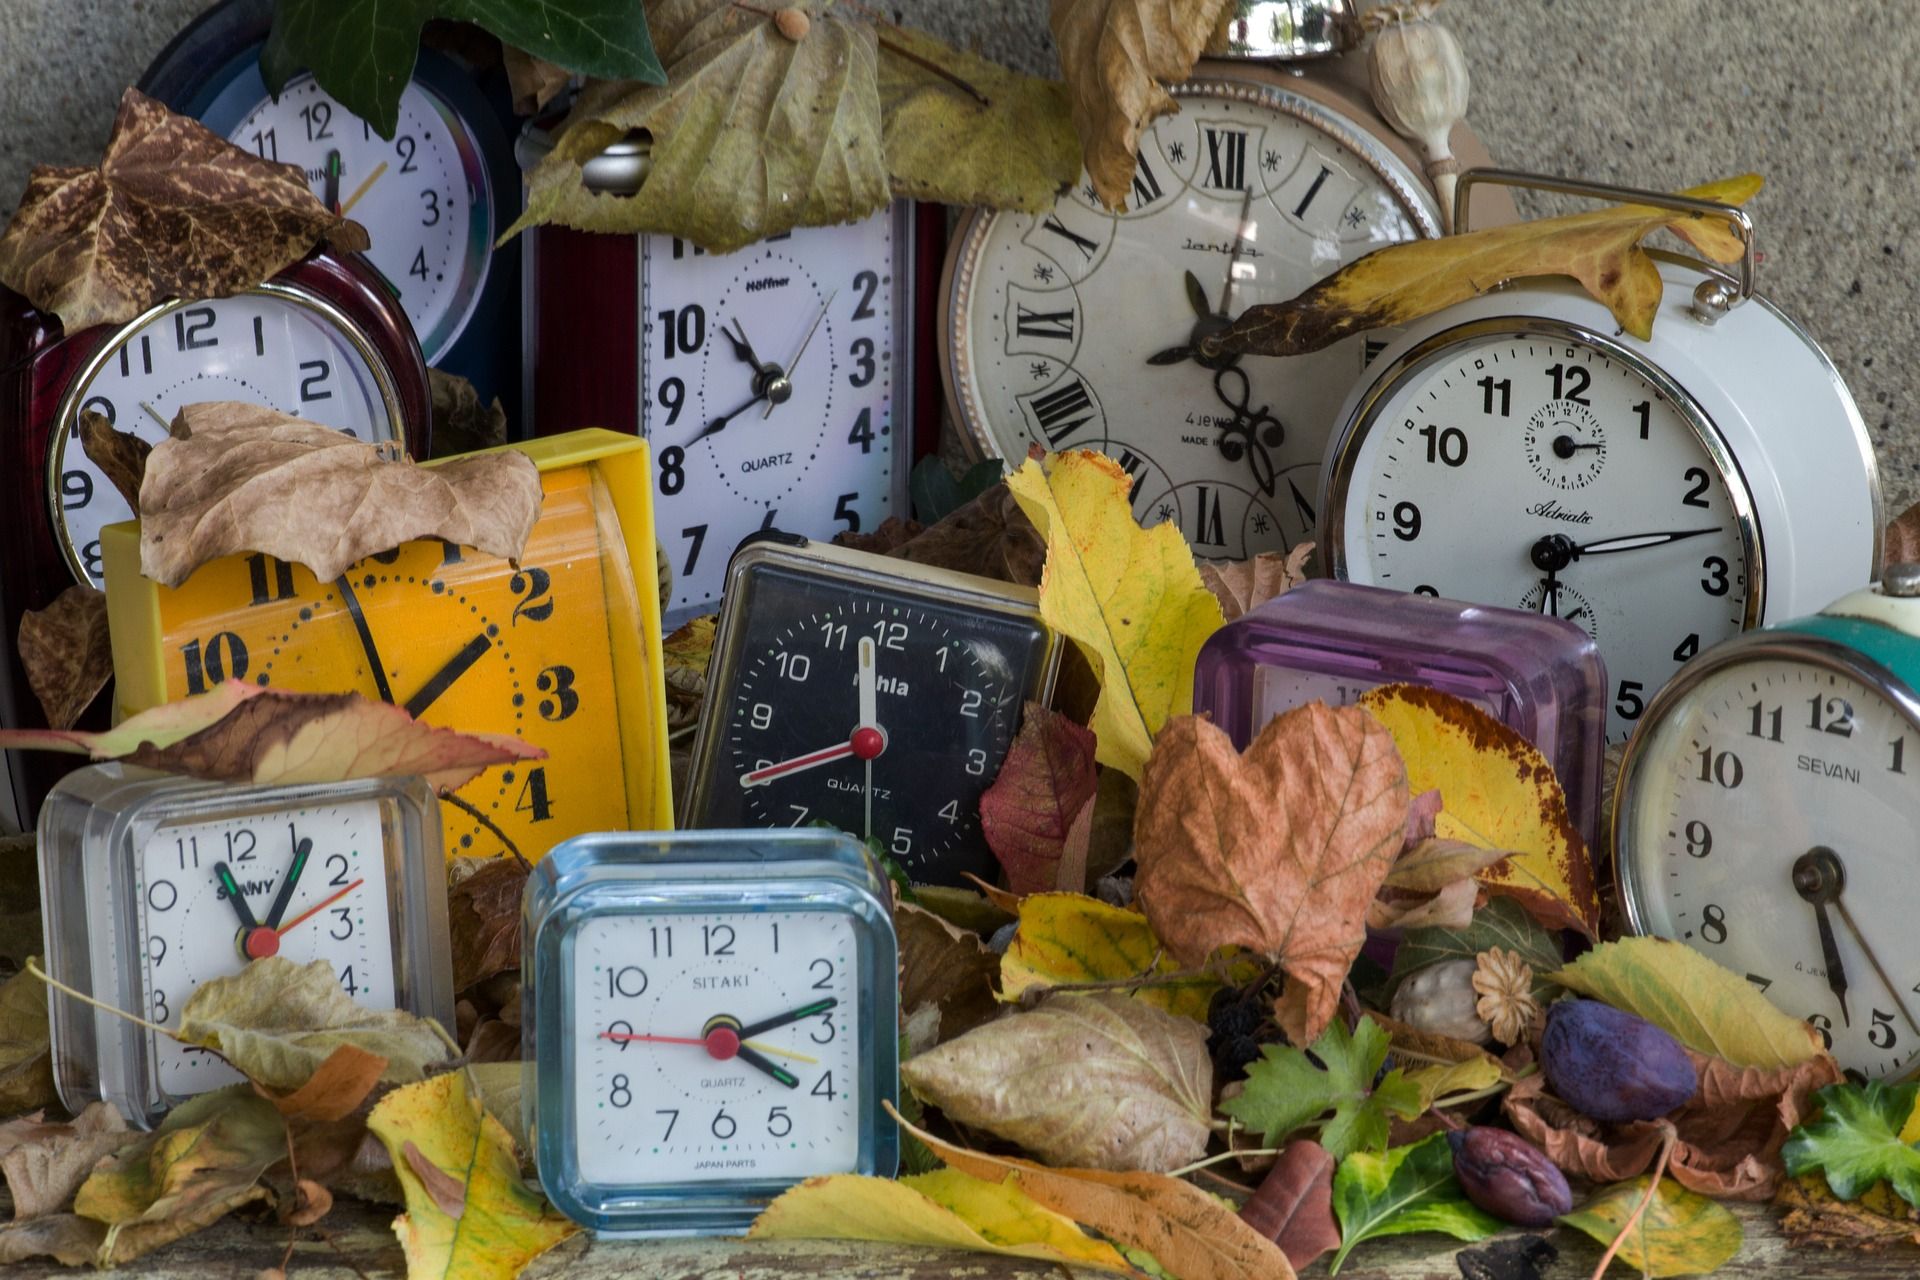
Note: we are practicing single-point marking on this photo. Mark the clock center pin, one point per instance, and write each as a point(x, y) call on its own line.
point(869, 741)
point(261, 942)
point(722, 1035)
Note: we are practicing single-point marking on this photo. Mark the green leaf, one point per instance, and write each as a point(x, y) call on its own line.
point(1680, 1234)
point(362, 51)
point(1285, 1092)
point(1856, 1140)
point(1501, 923)
point(1401, 1192)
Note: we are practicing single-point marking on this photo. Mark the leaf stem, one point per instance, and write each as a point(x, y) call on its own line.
point(1198, 1165)
point(33, 968)
point(928, 64)
point(1672, 1136)
point(1178, 978)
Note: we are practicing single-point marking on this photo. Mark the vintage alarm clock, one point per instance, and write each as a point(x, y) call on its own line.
point(152, 884)
point(561, 649)
point(1765, 817)
point(1333, 641)
point(776, 383)
point(433, 197)
point(1519, 450)
point(712, 1018)
point(1079, 328)
point(873, 694)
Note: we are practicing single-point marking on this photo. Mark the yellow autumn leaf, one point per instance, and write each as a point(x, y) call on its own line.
point(1401, 283)
point(1130, 598)
point(1448, 1079)
point(1496, 791)
point(944, 1209)
point(1069, 937)
point(469, 1214)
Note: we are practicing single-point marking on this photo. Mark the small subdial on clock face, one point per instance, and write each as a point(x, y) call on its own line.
point(717, 1047)
point(307, 884)
point(1561, 601)
point(1565, 444)
point(1772, 803)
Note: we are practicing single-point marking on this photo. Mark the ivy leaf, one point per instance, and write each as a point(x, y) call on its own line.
point(1680, 1234)
point(1856, 1141)
point(1286, 1092)
point(362, 51)
point(1401, 1192)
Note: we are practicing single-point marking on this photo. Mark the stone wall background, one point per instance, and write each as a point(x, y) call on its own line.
point(1659, 93)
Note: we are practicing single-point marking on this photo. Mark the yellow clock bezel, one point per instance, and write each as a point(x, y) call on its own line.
point(139, 663)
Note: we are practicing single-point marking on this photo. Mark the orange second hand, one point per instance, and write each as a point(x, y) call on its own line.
point(628, 1039)
point(321, 905)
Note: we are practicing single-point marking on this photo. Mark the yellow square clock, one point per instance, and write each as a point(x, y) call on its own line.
point(561, 650)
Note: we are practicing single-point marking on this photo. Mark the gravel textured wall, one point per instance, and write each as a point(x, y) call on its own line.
point(1821, 99)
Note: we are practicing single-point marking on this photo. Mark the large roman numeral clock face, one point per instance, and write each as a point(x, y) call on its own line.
point(1078, 329)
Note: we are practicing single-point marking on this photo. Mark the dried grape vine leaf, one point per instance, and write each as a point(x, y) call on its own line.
point(533, 82)
point(684, 656)
point(362, 51)
point(44, 1162)
point(1856, 1142)
point(1118, 57)
point(937, 493)
point(945, 968)
point(1286, 1091)
point(988, 535)
point(1498, 792)
point(120, 455)
point(1192, 1235)
point(1046, 778)
point(1404, 1191)
point(1813, 1215)
point(26, 1062)
point(1279, 850)
point(1067, 938)
point(1293, 1205)
point(1704, 1006)
point(1129, 597)
point(67, 1238)
point(172, 211)
point(483, 920)
point(1137, 1095)
point(1241, 586)
point(1680, 1234)
point(1402, 283)
point(243, 477)
point(501, 1223)
point(461, 424)
point(67, 653)
point(944, 1209)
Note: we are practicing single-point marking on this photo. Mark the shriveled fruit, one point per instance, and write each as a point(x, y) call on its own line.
point(1509, 1177)
point(1612, 1066)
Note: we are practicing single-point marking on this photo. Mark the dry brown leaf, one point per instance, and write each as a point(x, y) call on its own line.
point(1432, 885)
point(310, 1204)
point(1812, 1215)
point(120, 455)
point(684, 656)
point(1433, 864)
point(336, 1089)
point(1293, 1206)
point(461, 424)
point(1278, 851)
point(483, 920)
point(1404, 282)
point(26, 1057)
point(1731, 1131)
point(1191, 1234)
point(45, 1163)
point(944, 967)
point(172, 211)
point(1046, 778)
point(67, 653)
point(67, 1238)
point(1241, 586)
point(1118, 56)
point(248, 478)
point(448, 1192)
point(889, 535)
point(989, 536)
point(1902, 539)
point(1450, 908)
point(1097, 1081)
point(533, 81)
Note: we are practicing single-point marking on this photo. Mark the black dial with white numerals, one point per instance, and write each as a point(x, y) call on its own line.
point(883, 713)
point(1550, 472)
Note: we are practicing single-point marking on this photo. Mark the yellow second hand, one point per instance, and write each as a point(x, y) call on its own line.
point(362, 189)
point(761, 1046)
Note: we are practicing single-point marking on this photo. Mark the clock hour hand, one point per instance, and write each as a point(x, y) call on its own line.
point(443, 679)
point(1197, 297)
point(1866, 948)
point(1818, 879)
point(813, 1010)
point(301, 852)
point(379, 668)
point(1636, 541)
point(742, 348)
point(762, 1063)
point(224, 875)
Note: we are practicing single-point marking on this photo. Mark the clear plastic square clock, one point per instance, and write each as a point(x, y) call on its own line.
point(712, 1019)
point(153, 884)
point(1540, 676)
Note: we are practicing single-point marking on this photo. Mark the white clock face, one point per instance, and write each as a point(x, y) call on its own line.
point(194, 929)
point(1055, 317)
point(423, 197)
point(1281, 689)
point(770, 391)
point(272, 346)
point(717, 1047)
point(1538, 473)
point(1755, 772)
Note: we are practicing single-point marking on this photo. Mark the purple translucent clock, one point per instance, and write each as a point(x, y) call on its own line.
point(1333, 641)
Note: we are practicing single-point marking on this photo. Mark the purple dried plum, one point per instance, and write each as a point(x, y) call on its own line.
point(1509, 1177)
point(1610, 1065)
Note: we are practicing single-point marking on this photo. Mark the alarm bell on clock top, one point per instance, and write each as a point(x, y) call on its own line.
point(1333, 641)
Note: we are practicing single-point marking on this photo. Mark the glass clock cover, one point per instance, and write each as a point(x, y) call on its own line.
point(1333, 641)
point(139, 871)
point(711, 1019)
point(867, 692)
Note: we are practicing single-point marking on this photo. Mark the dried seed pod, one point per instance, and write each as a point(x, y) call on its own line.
point(793, 24)
point(1420, 84)
point(1509, 1177)
point(1441, 999)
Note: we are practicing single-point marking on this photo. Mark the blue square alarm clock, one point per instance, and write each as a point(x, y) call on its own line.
point(712, 1018)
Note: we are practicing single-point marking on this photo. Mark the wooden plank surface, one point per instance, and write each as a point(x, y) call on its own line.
point(355, 1241)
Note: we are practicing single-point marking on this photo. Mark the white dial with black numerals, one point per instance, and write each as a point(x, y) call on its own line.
point(1538, 471)
point(273, 345)
point(423, 195)
point(1077, 329)
point(771, 391)
point(1769, 826)
point(305, 884)
point(716, 1047)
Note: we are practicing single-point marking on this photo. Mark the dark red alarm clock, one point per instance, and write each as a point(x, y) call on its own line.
point(324, 340)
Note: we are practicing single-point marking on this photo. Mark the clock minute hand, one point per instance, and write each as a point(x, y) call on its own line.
point(1874, 960)
point(813, 1010)
point(301, 852)
point(794, 364)
point(352, 601)
point(1637, 541)
point(443, 679)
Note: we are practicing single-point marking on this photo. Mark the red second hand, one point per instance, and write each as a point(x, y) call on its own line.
point(321, 905)
point(626, 1038)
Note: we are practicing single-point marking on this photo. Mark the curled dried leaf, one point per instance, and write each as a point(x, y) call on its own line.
point(120, 455)
point(1241, 586)
point(67, 653)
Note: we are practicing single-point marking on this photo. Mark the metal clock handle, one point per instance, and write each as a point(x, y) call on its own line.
point(1711, 298)
point(1289, 30)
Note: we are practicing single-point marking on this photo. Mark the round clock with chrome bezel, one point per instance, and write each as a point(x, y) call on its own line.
point(1517, 450)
